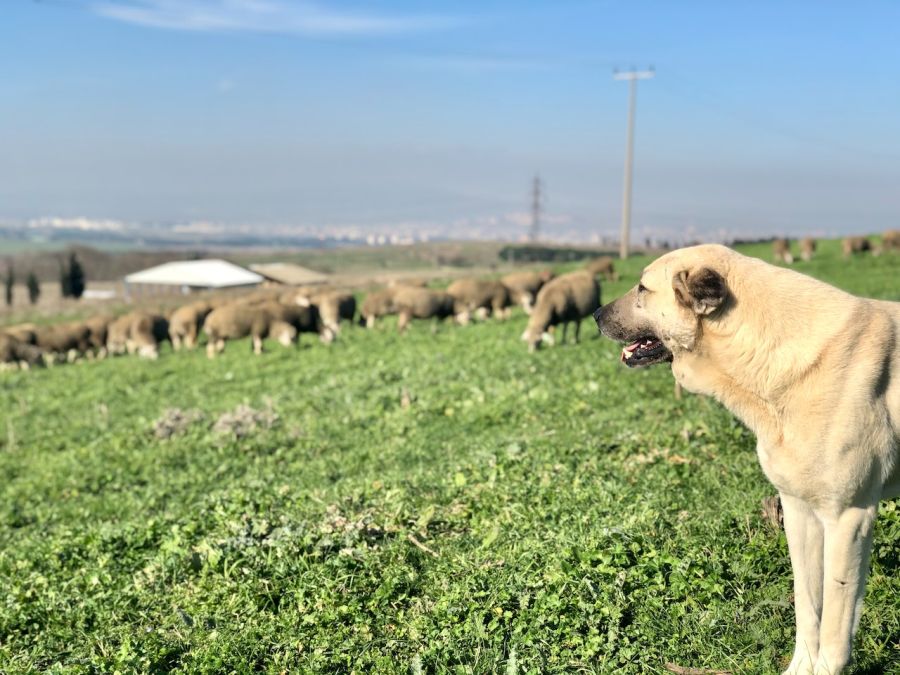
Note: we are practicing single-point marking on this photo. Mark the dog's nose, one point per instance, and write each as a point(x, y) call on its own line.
point(596, 315)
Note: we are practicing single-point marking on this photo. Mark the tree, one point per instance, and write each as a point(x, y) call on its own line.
point(76, 277)
point(34, 287)
point(65, 287)
point(10, 283)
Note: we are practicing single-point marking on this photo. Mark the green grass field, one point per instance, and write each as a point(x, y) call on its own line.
point(420, 504)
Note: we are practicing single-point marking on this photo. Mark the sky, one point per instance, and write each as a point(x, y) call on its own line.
point(763, 118)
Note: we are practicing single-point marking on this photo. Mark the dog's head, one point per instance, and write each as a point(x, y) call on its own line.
point(664, 314)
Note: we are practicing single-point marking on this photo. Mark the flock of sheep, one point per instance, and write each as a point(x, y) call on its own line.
point(890, 241)
point(282, 314)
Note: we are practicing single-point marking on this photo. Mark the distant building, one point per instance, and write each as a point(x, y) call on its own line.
point(190, 275)
point(290, 274)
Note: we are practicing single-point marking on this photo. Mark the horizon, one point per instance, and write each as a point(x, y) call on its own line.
point(270, 115)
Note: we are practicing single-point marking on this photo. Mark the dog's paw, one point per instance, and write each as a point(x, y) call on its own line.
point(801, 664)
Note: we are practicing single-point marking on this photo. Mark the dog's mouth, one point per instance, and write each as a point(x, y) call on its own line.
point(645, 352)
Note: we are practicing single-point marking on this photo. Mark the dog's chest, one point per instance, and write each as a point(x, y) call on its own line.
point(784, 470)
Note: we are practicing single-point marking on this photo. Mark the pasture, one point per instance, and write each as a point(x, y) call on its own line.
point(426, 503)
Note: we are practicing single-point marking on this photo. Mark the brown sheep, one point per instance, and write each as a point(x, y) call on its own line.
point(422, 303)
point(851, 245)
point(23, 332)
point(146, 333)
point(781, 250)
point(67, 340)
point(524, 286)
point(568, 298)
point(377, 304)
point(603, 265)
point(185, 323)
point(807, 248)
point(890, 240)
point(117, 334)
point(483, 297)
point(137, 332)
point(333, 306)
point(260, 321)
point(14, 350)
point(99, 328)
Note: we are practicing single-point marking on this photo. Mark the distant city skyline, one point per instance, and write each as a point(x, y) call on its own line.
point(431, 120)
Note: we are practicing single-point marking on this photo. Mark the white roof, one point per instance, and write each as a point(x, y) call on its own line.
point(196, 273)
point(289, 273)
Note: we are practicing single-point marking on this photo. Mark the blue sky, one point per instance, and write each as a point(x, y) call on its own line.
point(764, 117)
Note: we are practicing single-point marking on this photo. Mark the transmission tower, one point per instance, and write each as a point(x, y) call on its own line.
point(534, 232)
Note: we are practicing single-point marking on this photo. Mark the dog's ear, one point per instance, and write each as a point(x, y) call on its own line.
point(703, 290)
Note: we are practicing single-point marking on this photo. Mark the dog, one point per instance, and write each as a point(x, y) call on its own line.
point(814, 372)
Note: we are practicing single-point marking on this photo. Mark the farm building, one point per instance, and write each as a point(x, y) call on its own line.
point(289, 274)
point(190, 275)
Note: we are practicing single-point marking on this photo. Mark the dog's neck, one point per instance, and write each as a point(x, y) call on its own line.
point(774, 332)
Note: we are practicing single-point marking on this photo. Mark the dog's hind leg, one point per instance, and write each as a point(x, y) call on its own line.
point(848, 544)
point(805, 542)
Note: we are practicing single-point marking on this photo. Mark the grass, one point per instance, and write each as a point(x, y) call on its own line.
point(427, 503)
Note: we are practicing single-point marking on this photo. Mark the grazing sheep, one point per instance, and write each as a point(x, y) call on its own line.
point(411, 282)
point(807, 248)
point(98, 326)
point(422, 303)
point(781, 250)
point(137, 332)
point(117, 334)
point(851, 245)
point(14, 350)
point(185, 323)
point(23, 332)
point(333, 306)
point(484, 297)
point(66, 340)
point(603, 265)
point(266, 320)
point(376, 305)
point(890, 240)
point(524, 286)
point(568, 298)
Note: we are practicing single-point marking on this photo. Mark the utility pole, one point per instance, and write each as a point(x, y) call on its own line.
point(632, 76)
point(535, 231)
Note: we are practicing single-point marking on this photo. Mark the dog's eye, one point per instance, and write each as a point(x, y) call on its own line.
point(641, 288)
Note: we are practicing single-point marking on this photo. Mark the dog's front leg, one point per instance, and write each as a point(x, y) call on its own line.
point(848, 544)
point(805, 542)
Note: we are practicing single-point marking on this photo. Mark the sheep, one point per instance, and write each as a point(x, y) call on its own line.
point(138, 333)
point(185, 323)
point(781, 250)
point(890, 240)
point(260, 321)
point(66, 340)
point(851, 245)
point(524, 286)
point(422, 303)
point(146, 333)
point(23, 332)
point(603, 265)
point(15, 351)
point(377, 304)
point(117, 334)
point(807, 248)
point(479, 296)
point(568, 298)
point(98, 327)
point(333, 306)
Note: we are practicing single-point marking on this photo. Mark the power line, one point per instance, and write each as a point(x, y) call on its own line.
point(631, 76)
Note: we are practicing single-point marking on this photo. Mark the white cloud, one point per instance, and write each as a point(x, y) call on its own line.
point(260, 16)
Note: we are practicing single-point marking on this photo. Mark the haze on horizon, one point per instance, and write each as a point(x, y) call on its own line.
point(763, 119)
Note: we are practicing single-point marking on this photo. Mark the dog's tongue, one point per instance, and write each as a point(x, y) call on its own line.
point(629, 349)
